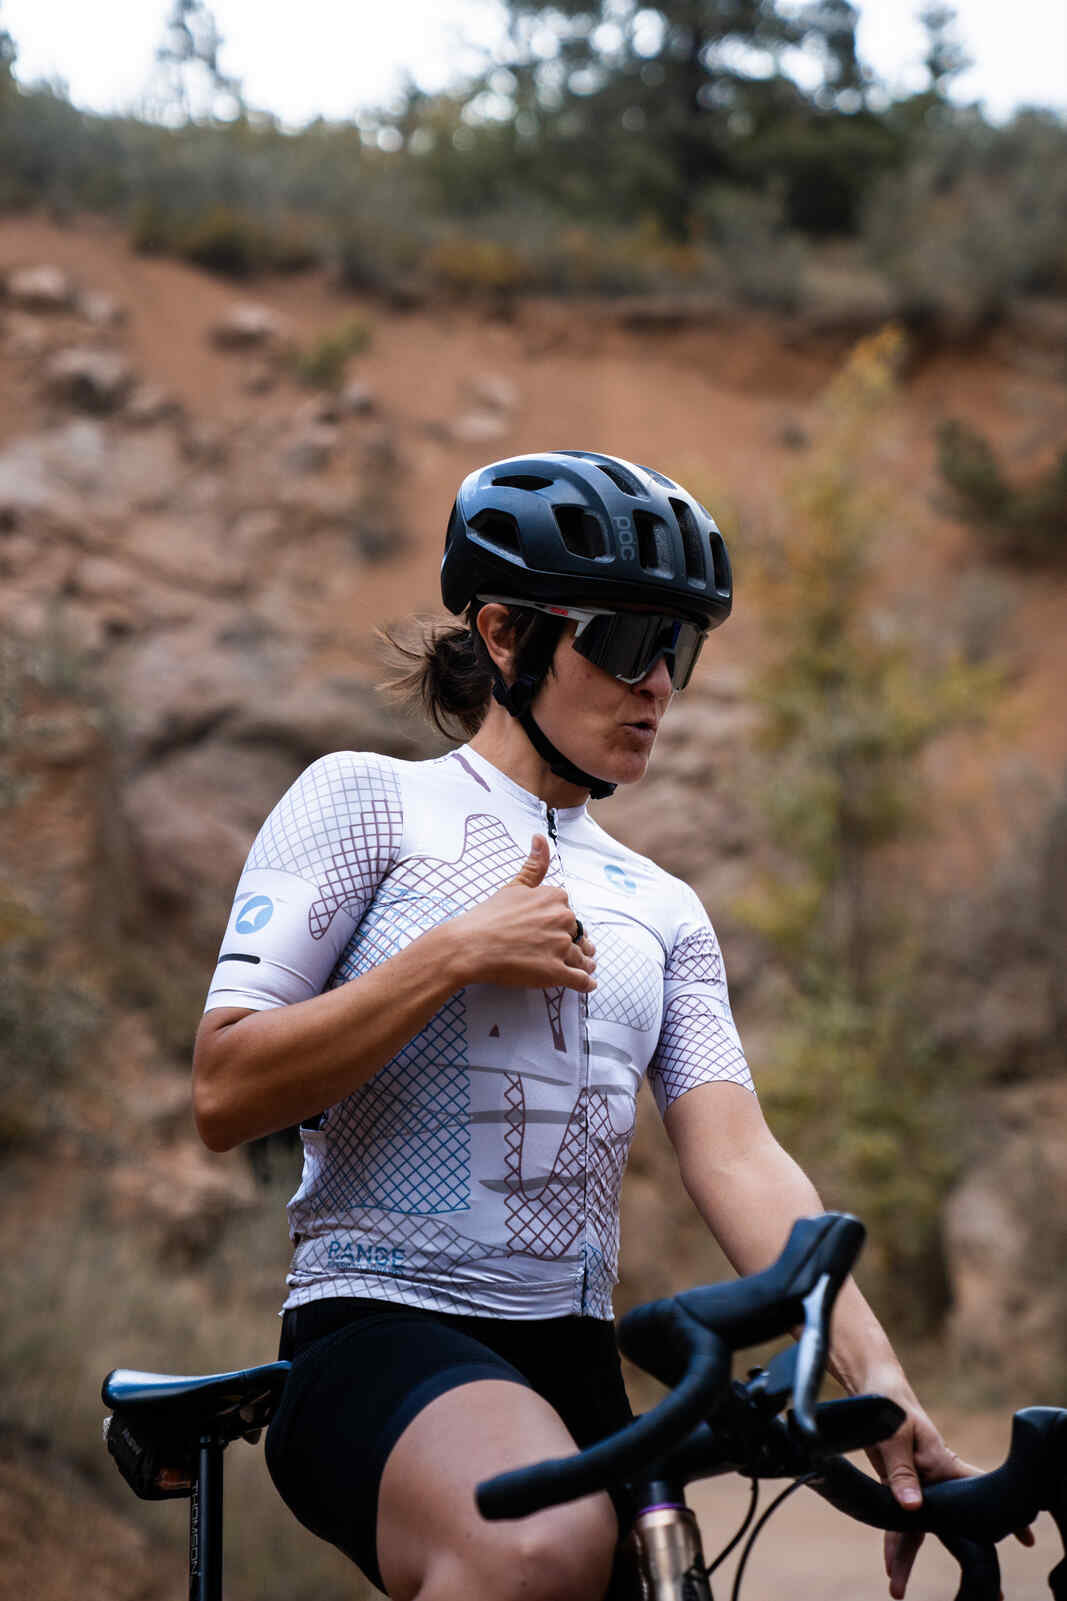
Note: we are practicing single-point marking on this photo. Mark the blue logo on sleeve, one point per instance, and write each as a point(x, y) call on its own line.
point(257, 914)
point(619, 878)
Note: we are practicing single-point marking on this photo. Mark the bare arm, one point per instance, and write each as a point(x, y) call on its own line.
point(258, 1071)
point(750, 1191)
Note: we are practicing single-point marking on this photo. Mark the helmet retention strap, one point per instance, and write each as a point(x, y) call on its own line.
point(517, 698)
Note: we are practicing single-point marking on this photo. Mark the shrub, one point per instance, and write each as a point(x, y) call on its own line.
point(227, 242)
point(321, 365)
point(977, 215)
point(1027, 522)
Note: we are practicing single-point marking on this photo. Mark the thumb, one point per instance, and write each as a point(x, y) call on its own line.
point(535, 866)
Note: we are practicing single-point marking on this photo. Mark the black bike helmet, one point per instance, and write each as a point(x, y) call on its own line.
point(574, 527)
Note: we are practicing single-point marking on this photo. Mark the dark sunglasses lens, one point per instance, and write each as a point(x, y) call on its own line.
point(628, 644)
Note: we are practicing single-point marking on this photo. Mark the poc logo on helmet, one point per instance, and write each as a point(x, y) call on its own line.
point(625, 538)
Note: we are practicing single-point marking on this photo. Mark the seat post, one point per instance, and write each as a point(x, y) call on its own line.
point(205, 1524)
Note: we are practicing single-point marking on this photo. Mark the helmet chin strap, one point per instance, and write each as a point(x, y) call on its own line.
point(516, 699)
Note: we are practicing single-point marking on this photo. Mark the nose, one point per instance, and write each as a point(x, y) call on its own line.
point(657, 681)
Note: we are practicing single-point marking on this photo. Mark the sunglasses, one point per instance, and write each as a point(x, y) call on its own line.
point(627, 644)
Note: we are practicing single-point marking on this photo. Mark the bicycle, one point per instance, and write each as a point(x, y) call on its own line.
point(167, 1435)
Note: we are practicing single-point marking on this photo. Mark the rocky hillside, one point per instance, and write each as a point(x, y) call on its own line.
point(206, 507)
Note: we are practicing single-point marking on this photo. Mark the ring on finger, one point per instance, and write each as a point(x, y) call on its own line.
point(579, 931)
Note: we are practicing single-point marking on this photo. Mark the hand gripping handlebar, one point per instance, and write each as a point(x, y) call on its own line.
point(970, 1515)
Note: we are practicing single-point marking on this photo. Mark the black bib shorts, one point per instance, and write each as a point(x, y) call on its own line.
point(362, 1370)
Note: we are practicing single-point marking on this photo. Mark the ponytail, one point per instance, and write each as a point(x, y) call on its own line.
point(444, 670)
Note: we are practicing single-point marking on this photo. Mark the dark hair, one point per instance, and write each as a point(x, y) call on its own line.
point(443, 668)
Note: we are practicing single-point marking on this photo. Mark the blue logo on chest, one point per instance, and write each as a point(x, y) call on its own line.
point(619, 878)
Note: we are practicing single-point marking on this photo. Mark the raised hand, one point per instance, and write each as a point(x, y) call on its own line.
point(522, 936)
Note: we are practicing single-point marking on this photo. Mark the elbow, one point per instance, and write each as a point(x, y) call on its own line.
point(212, 1123)
point(213, 1111)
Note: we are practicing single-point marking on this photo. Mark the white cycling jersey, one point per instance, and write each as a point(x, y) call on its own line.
point(479, 1170)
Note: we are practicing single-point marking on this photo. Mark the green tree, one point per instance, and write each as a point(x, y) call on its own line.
point(945, 56)
point(641, 106)
point(8, 57)
point(611, 109)
point(850, 707)
point(189, 80)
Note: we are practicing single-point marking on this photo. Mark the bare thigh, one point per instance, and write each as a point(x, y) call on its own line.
point(433, 1544)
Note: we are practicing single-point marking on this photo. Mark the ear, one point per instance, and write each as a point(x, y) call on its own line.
point(499, 636)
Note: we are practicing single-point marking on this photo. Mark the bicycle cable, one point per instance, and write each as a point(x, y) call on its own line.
point(746, 1520)
point(758, 1530)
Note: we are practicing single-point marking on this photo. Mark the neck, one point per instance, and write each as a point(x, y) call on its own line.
point(502, 741)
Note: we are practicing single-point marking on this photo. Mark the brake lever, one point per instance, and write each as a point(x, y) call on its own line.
point(811, 1352)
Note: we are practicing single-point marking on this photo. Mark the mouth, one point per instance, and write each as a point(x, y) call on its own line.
point(644, 725)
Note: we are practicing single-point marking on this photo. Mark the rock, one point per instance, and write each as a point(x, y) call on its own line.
point(357, 399)
point(60, 838)
point(176, 687)
point(100, 309)
point(149, 404)
point(310, 450)
point(29, 492)
point(493, 393)
point(96, 381)
point(477, 428)
point(248, 326)
point(1005, 1239)
point(337, 714)
point(40, 289)
point(183, 1197)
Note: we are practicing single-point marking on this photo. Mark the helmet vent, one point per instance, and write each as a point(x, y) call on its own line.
point(653, 543)
point(667, 483)
point(721, 563)
point(694, 554)
point(498, 528)
point(621, 479)
point(582, 532)
point(523, 481)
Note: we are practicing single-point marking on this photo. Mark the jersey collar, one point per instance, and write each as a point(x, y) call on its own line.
point(500, 781)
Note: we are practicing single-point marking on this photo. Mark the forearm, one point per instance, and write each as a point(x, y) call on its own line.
point(750, 1195)
point(268, 1070)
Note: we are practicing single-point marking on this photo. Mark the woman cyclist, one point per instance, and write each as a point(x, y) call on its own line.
point(454, 980)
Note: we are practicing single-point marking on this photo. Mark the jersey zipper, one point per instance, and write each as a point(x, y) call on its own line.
point(583, 1071)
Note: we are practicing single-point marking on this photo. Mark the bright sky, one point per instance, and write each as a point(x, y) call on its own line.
point(333, 57)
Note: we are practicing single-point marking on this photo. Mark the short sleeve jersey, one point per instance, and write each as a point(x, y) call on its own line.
point(479, 1170)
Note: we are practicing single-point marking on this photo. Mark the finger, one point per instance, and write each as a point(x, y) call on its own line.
point(900, 1553)
point(576, 978)
point(535, 866)
point(902, 1479)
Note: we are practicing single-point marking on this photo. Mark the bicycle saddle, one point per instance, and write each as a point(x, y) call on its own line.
point(176, 1405)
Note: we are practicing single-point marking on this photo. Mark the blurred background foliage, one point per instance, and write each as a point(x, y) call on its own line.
point(617, 148)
